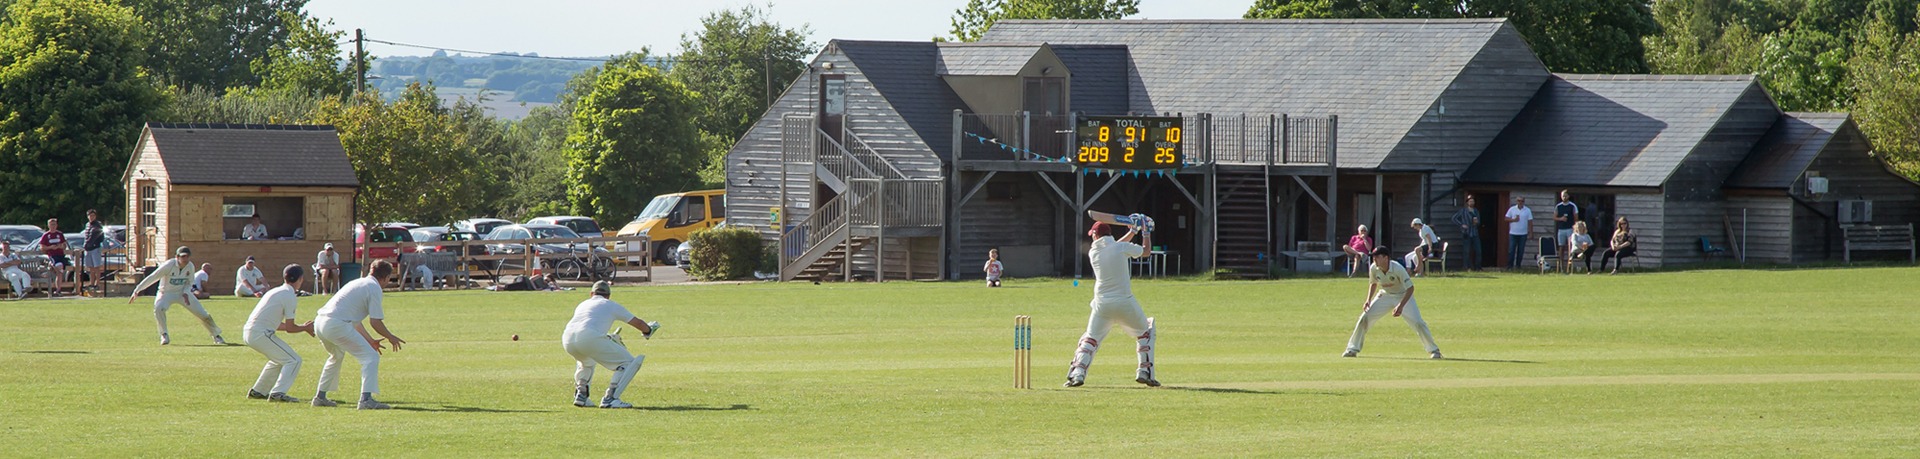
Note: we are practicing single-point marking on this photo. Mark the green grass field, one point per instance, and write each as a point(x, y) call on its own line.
point(1820, 363)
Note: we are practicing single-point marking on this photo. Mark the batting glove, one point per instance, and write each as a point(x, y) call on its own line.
point(652, 327)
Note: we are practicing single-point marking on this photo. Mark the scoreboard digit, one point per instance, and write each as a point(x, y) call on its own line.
point(1129, 142)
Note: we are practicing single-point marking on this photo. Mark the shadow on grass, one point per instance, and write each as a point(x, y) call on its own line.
point(1448, 359)
point(210, 345)
point(1214, 390)
point(459, 409)
point(53, 352)
point(734, 407)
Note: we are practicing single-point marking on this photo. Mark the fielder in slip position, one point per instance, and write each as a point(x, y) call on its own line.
point(1113, 300)
point(339, 328)
point(586, 339)
point(1389, 288)
point(275, 313)
point(178, 274)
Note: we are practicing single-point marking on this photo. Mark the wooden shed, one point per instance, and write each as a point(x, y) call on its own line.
point(197, 185)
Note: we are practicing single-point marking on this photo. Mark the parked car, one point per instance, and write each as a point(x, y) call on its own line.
point(408, 226)
point(532, 231)
point(380, 233)
point(583, 226)
point(669, 218)
point(427, 233)
point(683, 255)
point(480, 226)
point(447, 242)
point(21, 236)
point(115, 255)
point(117, 232)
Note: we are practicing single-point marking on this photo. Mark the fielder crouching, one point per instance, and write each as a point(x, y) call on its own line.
point(586, 339)
point(275, 312)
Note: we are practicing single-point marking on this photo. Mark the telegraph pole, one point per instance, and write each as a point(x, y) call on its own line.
point(359, 61)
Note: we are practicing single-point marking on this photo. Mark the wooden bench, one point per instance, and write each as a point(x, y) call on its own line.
point(1881, 237)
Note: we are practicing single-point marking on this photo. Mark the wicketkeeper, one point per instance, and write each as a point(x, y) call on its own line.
point(586, 339)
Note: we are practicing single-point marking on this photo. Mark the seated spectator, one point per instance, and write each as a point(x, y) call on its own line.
point(254, 231)
point(1416, 260)
point(326, 268)
point(17, 279)
point(200, 281)
point(249, 280)
point(1357, 249)
point(1622, 245)
point(1580, 247)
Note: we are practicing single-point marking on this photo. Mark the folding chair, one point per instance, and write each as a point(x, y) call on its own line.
point(1549, 254)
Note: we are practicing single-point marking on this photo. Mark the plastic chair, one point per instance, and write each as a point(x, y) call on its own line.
point(1548, 253)
point(1707, 248)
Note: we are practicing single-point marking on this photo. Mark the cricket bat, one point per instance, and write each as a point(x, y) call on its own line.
point(1141, 221)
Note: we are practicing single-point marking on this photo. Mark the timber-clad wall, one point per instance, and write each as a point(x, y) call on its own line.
point(195, 222)
point(147, 170)
point(1768, 225)
point(1023, 227)
point(1647, 214)
point(1853, 173)
point(1696, 205)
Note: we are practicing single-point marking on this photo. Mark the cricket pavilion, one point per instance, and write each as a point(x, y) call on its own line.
point(910, 160)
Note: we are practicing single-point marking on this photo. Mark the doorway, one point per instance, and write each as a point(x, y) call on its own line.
point(833, 105)
point(1492, 226)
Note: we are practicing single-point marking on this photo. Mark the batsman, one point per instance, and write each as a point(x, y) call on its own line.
point(1113, 301)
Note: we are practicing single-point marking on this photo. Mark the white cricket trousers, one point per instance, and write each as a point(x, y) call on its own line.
point(282, 364)
point(1383, 305)
point(1106, 313)
point(588, 349)
point(165, 301)
point(340, 339)
point(19, 279)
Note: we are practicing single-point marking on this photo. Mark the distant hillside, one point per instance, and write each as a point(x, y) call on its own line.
point(516, 79)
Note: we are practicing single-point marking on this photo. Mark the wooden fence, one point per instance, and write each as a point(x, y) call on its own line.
point(498, 259)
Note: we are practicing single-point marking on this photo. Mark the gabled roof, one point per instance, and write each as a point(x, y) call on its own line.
point(988, 59)
point(1787, 150)
point(906, 74)
point(1608, 130)
point(1379, 75)
point(1099, 77)
point(250, 154)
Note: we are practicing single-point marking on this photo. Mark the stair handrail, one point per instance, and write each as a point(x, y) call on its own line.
point(862, 152)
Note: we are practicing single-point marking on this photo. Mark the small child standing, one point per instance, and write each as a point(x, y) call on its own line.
point(993, 268)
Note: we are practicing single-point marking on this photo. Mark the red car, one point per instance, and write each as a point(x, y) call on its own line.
point(392, 233)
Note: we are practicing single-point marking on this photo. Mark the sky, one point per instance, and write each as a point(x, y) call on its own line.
point(600, 28)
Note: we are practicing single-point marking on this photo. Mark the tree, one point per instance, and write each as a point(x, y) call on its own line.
point(308, 62)
point(412, 160)
point(237, 106)
point(72, 100)
point(970, 23)
point(733, 61)
point(630, 140)
point(213, 43)
point(1886, 80)
point(1575, 36)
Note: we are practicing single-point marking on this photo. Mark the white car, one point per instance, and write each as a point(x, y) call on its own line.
point(480, 226)
point(583, 226)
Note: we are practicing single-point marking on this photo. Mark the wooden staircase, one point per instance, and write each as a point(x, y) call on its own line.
point(1243, 216)
point(832, 266)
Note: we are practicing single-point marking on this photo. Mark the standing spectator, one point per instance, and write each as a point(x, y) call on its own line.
point(1580, 247)
point(328, 267)
point(1564, 214)
point(249, 281)
point(1417, 259)
point(54, 245)
point(1358, 247)
point(993, 268)
point(200, 281)
point(254, 231)
point(1468, 219)
point(1519, 224)
point(94, 257)
point(1622, 245)
point(10, 268)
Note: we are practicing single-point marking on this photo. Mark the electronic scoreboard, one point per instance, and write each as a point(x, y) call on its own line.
point(1129, 142)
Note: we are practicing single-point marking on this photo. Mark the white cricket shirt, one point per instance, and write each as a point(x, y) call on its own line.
point(1393, 281)
point(597, 315)
point(357, 300)
point(1111, 279)
point(173, 278)
point(276, 307)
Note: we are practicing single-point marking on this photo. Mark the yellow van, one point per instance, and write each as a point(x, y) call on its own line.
point(670, 218)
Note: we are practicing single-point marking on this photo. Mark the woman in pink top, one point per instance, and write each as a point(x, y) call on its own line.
point(1357, 249)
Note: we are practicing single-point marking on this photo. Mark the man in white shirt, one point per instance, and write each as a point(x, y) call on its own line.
point(1519, 223)
point(339, 328)
point(327, 267)
point(1389, 288)
point(10, 268)
point(200, 281)
point(275, 312)
point(1113, 301)
point(178, 277)
point(586, 339)
point(249, 281)
point(1417, 259)
point(254, 231)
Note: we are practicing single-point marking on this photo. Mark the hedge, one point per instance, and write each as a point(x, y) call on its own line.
point(725, 254)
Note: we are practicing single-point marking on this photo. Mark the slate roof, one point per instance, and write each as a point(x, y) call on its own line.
point(991, 59)
point(1379, 75)
point(1787, 150)
point(1608, 130)
point(251, 154)
point(1099, 77)
point(906, 74)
